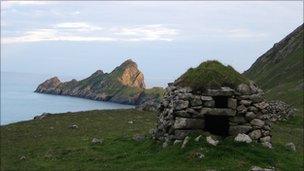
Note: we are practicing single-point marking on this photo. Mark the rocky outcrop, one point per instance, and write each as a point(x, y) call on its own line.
point(49, 86)
point(150, 99)
point(125, 84)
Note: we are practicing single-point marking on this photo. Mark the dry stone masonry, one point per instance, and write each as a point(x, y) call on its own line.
point(224, 112)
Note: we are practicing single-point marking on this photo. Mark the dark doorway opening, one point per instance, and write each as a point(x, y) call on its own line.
point(221, 101)
point(218, 125)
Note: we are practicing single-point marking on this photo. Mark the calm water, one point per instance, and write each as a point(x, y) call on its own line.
point(19, 102)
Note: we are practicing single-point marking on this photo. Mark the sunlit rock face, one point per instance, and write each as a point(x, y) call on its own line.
point(124, 85)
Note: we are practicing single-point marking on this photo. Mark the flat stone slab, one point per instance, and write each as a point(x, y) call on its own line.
point(187, 123)
point(216, 112)
point(224, 91)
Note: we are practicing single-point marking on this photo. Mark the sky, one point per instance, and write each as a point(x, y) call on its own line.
point(76, 38)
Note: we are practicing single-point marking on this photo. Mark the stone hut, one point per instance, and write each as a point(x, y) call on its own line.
point(224, 107)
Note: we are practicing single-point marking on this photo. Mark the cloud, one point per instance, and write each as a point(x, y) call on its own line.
point(148, 32)
point(240, 33)
point(85, 32)
point(8, 4)
point(79, 26)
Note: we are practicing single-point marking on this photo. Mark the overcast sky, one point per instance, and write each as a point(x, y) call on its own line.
point(164, 38)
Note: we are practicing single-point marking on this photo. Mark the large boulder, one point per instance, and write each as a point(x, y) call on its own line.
point(244, 89)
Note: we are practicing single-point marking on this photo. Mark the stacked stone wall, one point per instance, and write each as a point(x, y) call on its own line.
point(183, 111)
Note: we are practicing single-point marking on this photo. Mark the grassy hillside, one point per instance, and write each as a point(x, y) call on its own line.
point(280, 70)
point(49, 144)
point(211, 74)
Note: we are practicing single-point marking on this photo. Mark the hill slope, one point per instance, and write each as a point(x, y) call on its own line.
point(49, 144)
point(123, 85)
point(280, 70)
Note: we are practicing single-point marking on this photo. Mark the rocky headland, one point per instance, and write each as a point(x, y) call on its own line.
point(125, 85)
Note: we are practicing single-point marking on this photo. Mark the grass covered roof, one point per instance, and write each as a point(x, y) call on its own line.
point(211, 75)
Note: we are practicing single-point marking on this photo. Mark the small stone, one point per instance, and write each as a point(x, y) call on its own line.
point(245, 102)
point(180, 104)
point(266, 127)
point(138, 137)
point(197, 139)
point(184, 96)
point(181, 134)
point(165, 144)
point(232, 103)
point(96, 141)
point(42, 116)
point(241, 109)
point(192, 111)
point(256, 134)
point(177, 142)
point(267, 144)
point(211, 141)
point(73, 126)
point(209, 103)
point(253, 109)
point(290, 146)
point(257, 168)
point(253, 87)
point(234, 130)
point(265, 133)
point(243, 138)
point(206, 98)
point(265, 139)
point(199, 155)
point(152, 131)
point(22, 158)
point(261, 105)
point(183, 113)
point(196, 107)
point(257, 122)
point(185, 142)
point(196, 101)
point(250, 116)
point(130, 122)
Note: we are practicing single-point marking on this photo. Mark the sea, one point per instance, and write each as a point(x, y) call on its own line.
point(20, 103)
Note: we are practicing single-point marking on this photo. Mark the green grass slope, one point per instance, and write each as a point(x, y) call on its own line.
point(280, 70)
point(49, 144)
point(211, 74)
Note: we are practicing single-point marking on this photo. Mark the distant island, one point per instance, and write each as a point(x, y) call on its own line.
point(124, 85)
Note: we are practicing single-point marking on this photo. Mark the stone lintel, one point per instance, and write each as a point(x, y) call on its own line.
point(188, 123)
point(217, 112)
point(224, 91)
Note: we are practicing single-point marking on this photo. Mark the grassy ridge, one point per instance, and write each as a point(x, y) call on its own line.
point(284, 80)
point(280, 70)
point(49, 144)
